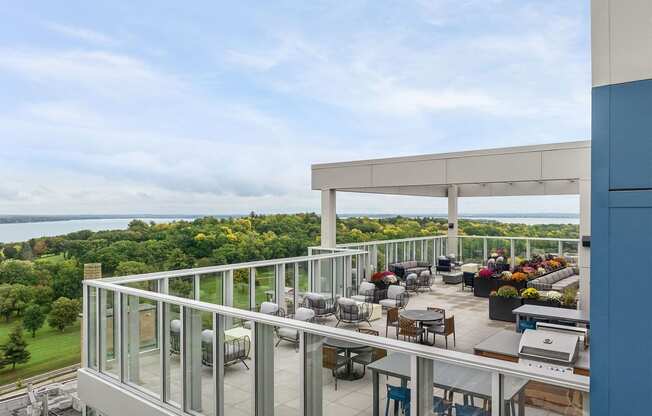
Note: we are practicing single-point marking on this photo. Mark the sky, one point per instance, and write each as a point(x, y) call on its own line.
point(221, 107)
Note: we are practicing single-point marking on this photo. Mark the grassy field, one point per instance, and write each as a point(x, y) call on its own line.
point(51, 350)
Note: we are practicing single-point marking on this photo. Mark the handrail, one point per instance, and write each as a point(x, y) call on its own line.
point(227, 267)
point(452, 357)
point(503, 237)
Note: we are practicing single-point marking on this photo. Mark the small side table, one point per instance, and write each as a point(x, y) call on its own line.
point(452, 278)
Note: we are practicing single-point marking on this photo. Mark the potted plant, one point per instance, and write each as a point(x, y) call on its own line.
point(569, 298)
point(502, 302)
point(532, 296)
point(484, 282)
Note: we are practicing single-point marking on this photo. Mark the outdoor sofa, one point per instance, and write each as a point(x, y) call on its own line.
point(405, 268)
point(558, 280)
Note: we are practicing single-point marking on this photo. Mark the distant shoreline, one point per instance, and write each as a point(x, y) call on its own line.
point(26, 219)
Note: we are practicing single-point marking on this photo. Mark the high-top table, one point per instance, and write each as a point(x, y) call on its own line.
point(347, 347)
point(465, 380)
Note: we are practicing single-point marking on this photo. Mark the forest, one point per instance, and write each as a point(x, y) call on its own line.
point(40, 279)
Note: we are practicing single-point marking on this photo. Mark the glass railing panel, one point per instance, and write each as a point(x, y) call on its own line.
point(241, 288)
point(287, 373)
point(346, 382)
point(109, 363)
point(148, 285)
point(173, 323)
point(291, 271)
point(265, 285)
point(325, 278)
point(238, 350)
point(142, 353)
point(499, 246)
point(381, 258)
point(211, 288)
point(543, 247)
point(472, 250)
point(569, 251)
point(183, 286)
point(537, 398)
point(303, 282)
point(520, 251)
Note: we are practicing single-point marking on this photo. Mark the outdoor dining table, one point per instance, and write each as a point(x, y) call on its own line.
point(421, 316)
point(456, 378)
point(348, 348)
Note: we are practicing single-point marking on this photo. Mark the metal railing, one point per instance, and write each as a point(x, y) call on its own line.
point(129, 324)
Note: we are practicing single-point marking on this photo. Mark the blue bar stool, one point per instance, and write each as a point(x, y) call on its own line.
point(400, 395)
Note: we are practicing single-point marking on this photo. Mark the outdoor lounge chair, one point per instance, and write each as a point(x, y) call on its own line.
point(236, 350)
point(291, 334)
point(322, 307)
point(350, 312)
point(396, 297)
point(368, 292)
point(268, 308)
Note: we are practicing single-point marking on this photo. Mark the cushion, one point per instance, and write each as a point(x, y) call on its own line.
point(175, 325)
point(359, 298)
point(388, 303)
point(234, 349)
point(425, 273)
point(287, 332)
point(304, 314)
point(314, 296)
point(411, 276)
point(566, 283)
point(470, 267)
point(268, 308)
point(207, 336)
point(394, 290)
point(346, 301)
point(366, 286)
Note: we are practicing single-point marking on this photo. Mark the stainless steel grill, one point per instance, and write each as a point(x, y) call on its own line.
point(550, 347)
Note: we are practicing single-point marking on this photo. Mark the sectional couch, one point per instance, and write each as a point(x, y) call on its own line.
point(558, 280)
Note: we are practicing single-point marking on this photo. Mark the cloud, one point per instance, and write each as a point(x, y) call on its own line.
point(82, 34)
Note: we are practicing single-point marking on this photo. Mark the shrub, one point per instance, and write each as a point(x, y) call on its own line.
point(553, 296)
point(519, 277)
point(506, 275)
point(506, 292)
point(530, 293)
point(568, 298)
point(484, 272)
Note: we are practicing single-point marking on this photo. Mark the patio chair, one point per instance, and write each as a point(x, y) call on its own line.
point(432, 325)
point(469, 410)
point(235, 351)
point(411, 284)
point(444, 264)
point(291, 334)
point(366, 292)
point(370, 354)
point(423, 281)
point(268, 308)
point(409, 329)
point(396, 297)
point(175, 336)
point(322, 307)
point(392, 320)
point(331, 360)
point(350, 312)
point(445, 329)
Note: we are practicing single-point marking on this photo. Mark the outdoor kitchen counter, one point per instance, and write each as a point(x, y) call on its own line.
point(504, 346)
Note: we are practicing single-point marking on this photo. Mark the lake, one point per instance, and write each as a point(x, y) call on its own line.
point(24, 231)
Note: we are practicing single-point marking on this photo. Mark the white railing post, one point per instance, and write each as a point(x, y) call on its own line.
point(496, 394)
point(528, 249)
point(485, 250)
point(560, 248)
point(512, 252)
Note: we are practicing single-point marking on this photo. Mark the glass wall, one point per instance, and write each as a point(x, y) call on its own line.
point(199, 360)
point(92, 327)
point(172, 340)
point(183, 287)
point(265, 285)
point(241, 288)
point(211, 288)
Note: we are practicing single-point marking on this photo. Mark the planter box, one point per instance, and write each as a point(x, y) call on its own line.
point(517, 285)
point(482, 286)
point(500, 309)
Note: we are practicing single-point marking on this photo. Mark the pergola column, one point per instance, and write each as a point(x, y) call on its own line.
point(452, 220)
point(585, 252)
point(328, 218)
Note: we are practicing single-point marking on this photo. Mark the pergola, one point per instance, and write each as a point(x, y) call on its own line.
point(550, 169)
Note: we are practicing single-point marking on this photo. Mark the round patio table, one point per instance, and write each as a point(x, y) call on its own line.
point(348, 347)
point(421, 316)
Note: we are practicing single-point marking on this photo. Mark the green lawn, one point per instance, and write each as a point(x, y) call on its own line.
point(51, 349)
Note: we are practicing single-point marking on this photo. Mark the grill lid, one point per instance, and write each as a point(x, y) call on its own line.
point(549, 346)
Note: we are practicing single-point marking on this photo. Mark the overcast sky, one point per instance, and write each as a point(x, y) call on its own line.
point(209, 107)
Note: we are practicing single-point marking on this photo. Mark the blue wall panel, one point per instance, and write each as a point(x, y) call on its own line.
point(631, 135)
point(621, 249)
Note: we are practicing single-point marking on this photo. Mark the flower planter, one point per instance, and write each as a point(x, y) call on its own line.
point(500, 309)
point(518, 285)
point(482, 286)
point(542, 302)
